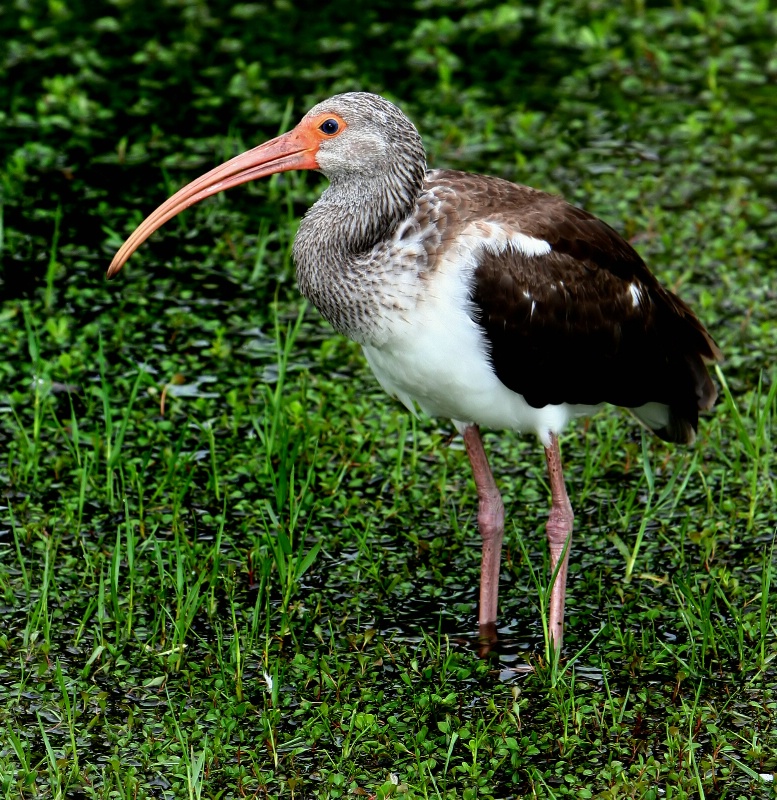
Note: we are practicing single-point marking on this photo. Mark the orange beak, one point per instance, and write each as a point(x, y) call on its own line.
point(293, 150)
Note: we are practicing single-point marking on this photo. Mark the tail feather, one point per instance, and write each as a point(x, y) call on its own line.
point(666, 423)
point(677, 421)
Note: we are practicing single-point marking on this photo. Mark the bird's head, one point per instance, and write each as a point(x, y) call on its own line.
point(349, 137)
point(362, 134)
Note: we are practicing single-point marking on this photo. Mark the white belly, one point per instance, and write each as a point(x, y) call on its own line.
point(436, 356)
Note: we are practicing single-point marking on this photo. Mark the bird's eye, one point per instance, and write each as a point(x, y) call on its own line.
point(329, 126)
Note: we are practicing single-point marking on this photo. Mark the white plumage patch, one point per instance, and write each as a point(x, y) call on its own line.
point(435, 354)
point(528, 245)
point(496, 238)
point(636, 294)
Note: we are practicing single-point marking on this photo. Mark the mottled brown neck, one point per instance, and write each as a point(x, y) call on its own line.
point(336, 250)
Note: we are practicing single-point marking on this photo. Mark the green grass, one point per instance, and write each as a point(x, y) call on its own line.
point(229, 566)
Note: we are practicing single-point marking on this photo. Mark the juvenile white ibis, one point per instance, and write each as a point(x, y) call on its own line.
point(476, 299)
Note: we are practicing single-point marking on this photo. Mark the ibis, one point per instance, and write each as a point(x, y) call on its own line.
point(477, 300)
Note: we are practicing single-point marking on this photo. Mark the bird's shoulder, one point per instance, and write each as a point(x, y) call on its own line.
point(538, 225)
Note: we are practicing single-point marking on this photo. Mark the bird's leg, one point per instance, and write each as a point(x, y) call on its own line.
point(559, 530)
point(491, 522)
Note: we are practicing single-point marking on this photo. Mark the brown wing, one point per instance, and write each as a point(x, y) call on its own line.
point(586, 323)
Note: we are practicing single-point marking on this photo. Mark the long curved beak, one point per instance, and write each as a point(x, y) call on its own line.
point(293, 150)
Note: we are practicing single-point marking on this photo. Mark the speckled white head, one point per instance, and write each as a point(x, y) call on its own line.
point(370, 136)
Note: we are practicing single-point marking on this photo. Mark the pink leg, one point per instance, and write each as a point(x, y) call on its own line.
point(491, 522)
point(559, 529)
